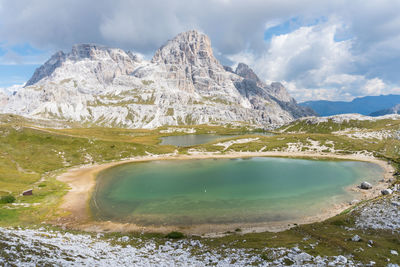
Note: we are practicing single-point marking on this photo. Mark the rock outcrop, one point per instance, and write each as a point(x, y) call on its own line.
point(182, 84)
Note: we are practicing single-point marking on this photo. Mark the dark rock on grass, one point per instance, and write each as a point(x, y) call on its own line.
point(28, 192)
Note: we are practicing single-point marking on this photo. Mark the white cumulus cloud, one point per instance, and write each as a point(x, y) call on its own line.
point(313, 64)
point(352, 50)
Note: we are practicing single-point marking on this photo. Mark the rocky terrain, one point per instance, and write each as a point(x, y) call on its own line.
point(42, 246)
point(383, 214)
point(182, 84)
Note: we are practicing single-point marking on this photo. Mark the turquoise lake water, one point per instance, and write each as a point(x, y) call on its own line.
point(207, 191)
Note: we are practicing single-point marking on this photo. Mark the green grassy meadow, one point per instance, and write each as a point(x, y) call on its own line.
point(33, 153)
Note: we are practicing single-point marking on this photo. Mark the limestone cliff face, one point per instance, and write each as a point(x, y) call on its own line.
point(47, 68)
point(189, 63)
point(244, 71)
point(183, 84)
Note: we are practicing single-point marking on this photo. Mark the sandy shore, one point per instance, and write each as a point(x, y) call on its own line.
point(82, 181)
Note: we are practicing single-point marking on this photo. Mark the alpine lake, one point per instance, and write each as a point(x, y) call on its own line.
point(225, 191)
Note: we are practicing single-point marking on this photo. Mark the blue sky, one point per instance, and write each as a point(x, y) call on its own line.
point(16, 74)
point(318, 49)
point(18, 62)
point(290, 25)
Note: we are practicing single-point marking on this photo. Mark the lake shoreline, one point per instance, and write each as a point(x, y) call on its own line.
point(82, 181)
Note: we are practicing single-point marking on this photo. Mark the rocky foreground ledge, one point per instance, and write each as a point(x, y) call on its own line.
point(42, 246)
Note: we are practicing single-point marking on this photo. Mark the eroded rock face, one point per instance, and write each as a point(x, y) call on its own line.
point(47, 68)
point(246, 72)
point(189, 63)
point(183, 84)
point(105, 63)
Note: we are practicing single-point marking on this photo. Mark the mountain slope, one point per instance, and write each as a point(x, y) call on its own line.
point(182, 84)
point(361, 105)
point(392, 110)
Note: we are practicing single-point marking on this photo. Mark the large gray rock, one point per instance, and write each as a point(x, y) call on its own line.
point(386, 191)
point(365, 185)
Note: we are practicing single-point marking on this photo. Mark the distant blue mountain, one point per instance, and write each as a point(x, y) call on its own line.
point(393, 110)
point(362, 105)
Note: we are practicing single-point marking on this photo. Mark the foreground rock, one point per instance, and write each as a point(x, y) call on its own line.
point(387, 191)
point(365, 185)
point(356, 238)
point(41, 247)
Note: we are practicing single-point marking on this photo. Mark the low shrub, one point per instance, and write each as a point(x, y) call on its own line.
point(7, 199)
point(175, 235)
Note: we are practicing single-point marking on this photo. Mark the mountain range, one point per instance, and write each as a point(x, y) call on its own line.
point(392, 110)
point(182, 84)
point(362, 105)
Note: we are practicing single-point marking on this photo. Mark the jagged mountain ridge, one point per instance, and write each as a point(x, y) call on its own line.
point(182, 84)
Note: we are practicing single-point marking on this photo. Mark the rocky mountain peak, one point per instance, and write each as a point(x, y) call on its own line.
point(246, 72)
point(189, 63)
point(191, 47)
point(279, 91)
point(183, 84)
point(104, 62)
point(47, 68)
point(81, 51)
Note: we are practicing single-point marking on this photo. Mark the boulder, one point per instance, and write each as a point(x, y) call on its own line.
point(28, 192)
point(356, 238)
point(365, 185)
point(386, 191)
point(125, 239)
